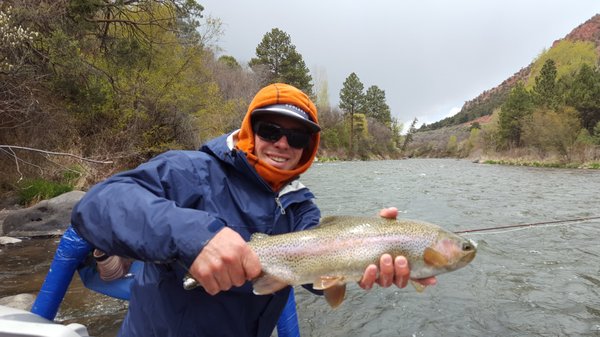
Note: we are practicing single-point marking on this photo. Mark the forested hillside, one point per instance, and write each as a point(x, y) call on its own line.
point(491, 99)
point(548, 112)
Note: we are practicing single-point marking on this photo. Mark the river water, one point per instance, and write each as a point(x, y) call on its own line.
point(532, 281)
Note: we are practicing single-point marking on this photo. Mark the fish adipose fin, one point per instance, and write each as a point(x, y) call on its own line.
point(267, 284)
point(418, 286)
point(434, 258)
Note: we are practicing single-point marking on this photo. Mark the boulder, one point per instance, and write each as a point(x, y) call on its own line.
point(7, 240)
point(48, 217)
point(20, 301)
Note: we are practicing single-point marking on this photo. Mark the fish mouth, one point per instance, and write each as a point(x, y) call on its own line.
point(468, 258)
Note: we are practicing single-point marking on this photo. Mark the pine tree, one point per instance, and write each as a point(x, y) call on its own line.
point(545, 89)
point(352, 100)
point(517, 106)
point(282, 62)
point(376, 106)
point(409, 135)
point(584, 95)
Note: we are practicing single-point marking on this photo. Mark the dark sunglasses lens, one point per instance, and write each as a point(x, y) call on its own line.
point(297, 139)
point(269, 132)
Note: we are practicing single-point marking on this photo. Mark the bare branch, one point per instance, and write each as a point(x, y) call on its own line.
point(11, 147)
point(12, 153)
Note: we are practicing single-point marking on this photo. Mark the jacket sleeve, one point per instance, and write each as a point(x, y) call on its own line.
point(146, 213)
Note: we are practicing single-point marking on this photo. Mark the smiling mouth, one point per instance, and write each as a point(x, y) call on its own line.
point(278, 159)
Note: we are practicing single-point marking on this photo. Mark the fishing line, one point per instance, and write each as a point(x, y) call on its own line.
point(527, 225)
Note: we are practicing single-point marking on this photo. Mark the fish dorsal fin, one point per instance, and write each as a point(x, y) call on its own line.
point(258, 236)
point(434, 258)
point(335, 295)
point(267, 284)
point(324, 282)
point(328, 220)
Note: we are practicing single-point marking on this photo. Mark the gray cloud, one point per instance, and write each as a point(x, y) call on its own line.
point(429, 56)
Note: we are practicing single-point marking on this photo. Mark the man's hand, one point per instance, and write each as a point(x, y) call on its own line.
point(390, 272)
point(224, 262)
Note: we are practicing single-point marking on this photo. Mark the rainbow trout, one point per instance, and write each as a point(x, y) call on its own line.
point(340, 248)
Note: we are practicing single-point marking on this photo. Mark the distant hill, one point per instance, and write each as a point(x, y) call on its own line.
point(486, 102)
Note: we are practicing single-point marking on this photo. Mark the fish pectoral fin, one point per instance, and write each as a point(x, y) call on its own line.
point(267, 284)
point(434, 258)
point(324, 282)
point(335, 295)
point(334, 289)
point(418, 286)
point(258, 236)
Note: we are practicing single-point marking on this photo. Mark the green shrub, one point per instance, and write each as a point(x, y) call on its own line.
point(33, 190)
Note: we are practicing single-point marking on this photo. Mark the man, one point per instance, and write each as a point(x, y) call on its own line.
point(194, 211)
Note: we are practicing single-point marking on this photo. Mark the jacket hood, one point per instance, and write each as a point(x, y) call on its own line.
point(278, 93)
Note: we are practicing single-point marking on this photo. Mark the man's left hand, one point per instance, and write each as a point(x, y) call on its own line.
point(390, 272)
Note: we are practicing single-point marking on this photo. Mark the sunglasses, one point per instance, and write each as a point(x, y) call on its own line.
point(271, 133)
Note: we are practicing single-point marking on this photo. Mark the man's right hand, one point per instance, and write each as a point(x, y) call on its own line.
point(224, 262)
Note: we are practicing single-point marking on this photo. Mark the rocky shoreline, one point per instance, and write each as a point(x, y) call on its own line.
point(47, 218)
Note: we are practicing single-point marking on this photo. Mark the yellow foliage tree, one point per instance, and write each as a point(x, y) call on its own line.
point(552, 131)
point(568, 57)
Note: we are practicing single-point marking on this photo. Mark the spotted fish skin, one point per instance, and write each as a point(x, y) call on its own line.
point(341, 247)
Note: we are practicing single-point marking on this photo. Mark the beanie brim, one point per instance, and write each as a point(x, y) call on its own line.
point(290, 111)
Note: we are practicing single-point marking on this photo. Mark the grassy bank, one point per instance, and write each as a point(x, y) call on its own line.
point(542, 163)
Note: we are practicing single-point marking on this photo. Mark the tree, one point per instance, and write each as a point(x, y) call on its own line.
point(584, 95)
point(568, 56)
point(230, 62)
point(376, 106)
point(545, 89)
point(282, 62)
point(396, 128)
point(552, 130)
point(517, 106)
point(321, 88)
point(409, 135)
point(352, 101)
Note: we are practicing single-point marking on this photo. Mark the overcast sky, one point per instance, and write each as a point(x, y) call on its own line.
point(429, 56)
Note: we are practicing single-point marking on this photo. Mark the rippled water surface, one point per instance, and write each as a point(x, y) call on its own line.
point(536, 281)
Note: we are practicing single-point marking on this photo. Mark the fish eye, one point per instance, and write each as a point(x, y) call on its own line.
point(467, 246)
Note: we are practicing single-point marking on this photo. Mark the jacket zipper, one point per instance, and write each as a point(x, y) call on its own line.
point(278, 202)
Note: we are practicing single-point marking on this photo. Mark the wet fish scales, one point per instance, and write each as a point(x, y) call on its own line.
point(341, 247)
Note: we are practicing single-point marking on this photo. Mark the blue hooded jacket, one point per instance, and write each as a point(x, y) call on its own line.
point(165, 211)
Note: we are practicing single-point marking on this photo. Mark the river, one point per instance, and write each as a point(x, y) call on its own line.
point(534, 281)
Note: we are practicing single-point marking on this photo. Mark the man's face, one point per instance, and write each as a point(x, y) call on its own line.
point(279, 153)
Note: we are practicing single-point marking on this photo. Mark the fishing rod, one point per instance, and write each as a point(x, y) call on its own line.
point(527, 225)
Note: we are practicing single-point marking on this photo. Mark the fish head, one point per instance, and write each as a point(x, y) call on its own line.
point(449, 252)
